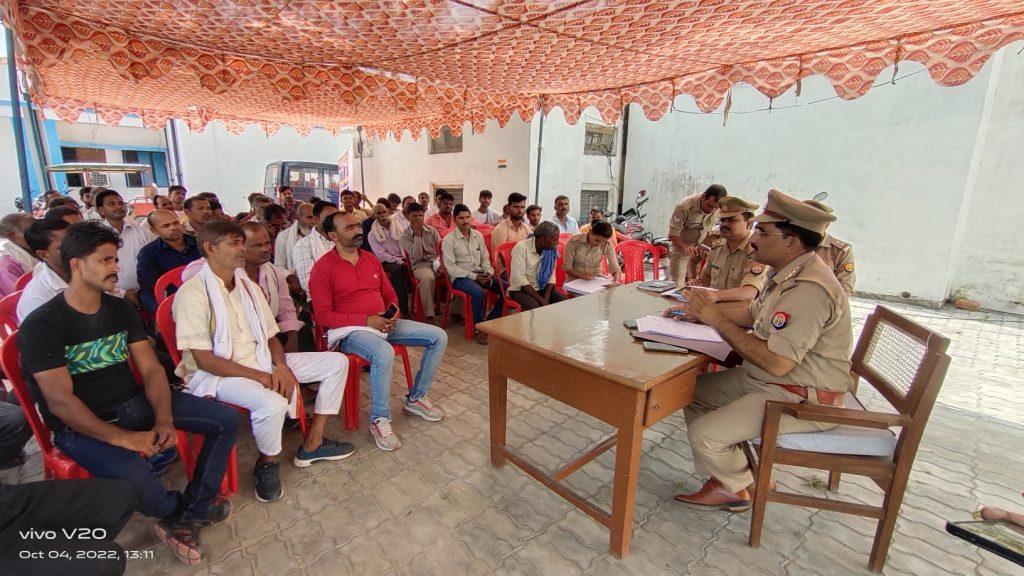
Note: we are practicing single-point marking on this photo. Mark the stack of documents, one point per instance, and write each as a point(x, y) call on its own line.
point(584, 287)
point(656, 285)
point(696, 337)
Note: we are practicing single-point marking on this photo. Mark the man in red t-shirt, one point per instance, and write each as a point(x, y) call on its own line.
point(350, 293)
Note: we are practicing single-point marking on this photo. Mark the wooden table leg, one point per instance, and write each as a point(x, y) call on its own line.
point(497, 385)
point(627, 470)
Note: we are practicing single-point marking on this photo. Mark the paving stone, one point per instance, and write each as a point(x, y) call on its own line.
point(270, 555)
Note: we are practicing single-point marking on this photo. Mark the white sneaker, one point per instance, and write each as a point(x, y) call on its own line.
point(383, 436)
point(423, 408)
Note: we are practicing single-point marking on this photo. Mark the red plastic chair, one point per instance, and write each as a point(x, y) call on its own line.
point(165, 326)
point(9, 314)
point(487, 242)
point(350, 401)
point(23, 281)
point(165, 282)
point(505, 257)
point(633, 254)
point(467, 304)
point(56, 465)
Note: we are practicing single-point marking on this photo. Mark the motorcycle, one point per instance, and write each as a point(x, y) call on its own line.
point(630, 223)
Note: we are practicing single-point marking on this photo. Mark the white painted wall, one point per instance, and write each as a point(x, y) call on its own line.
point(407, 168)
point(990, 265)
point(895, 163)
point(233, 166)
point(564, 168)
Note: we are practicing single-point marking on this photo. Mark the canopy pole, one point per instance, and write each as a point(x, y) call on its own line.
point(37, 138)
point(540, 146)
point(362, 175)
point(19, 130)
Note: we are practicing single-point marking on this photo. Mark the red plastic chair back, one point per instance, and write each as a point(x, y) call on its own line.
point(165, 326)
point(9, 314)
point(633, 253)
point(10, 359)
point(487, 242)
point(165, 282)
point(23, 281)
point(503, 256)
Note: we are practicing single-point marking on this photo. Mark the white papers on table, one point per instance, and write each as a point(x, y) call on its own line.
point(581, 286)
point(696, 337)
point(677, 329)
point(335, 335)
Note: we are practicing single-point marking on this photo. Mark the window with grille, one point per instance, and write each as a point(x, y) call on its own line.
point(157, 162)
point(599, 140)
point(446, 143)
point(72, 154)
point(592, 199)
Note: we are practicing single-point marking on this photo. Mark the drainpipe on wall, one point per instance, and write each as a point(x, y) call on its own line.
point(540, 146)
point(19, 134)
point(622, 160)
point(176, 156)
point(33, 122)
point(362, 174)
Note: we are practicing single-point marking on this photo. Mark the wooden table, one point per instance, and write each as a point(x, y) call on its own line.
point(579, 353)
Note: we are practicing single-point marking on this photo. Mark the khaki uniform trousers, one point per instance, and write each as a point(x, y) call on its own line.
point(678, 265)
point(425, 275)
point(727, 409)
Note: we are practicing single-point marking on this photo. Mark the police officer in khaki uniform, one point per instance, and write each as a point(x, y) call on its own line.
point(690, 222)
point(837, 254)
point(731, 273)
point(799, 351)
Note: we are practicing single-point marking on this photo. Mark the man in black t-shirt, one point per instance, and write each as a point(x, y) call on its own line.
point(75, 351)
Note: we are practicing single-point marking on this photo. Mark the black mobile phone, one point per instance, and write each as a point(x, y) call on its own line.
point(1002, 538)
point(390, 312)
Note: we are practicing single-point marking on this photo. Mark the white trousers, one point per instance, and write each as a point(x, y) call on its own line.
point(268, 408)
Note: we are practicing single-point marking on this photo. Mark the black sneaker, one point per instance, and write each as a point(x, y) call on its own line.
point(219, 511)
point(268, 482)
point(183, 539)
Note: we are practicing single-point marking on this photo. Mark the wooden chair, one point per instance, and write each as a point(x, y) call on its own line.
point(906, 363)
point(169, 279)
point(23, 281)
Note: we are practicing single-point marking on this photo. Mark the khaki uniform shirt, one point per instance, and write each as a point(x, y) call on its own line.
point(579, 254)
point(194, 324)
point(504, 232)
point(804, 315)
point(838, 255)
point(689, 222)
point(726, 269)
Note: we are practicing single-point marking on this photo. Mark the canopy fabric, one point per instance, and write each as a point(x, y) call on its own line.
point(396, 65)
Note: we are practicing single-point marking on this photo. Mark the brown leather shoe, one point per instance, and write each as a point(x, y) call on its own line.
point(714, 496)
point(481, 337)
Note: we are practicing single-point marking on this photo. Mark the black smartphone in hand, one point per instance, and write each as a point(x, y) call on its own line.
point(390, 312)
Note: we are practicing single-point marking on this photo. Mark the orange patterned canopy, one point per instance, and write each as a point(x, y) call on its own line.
point(393, 65)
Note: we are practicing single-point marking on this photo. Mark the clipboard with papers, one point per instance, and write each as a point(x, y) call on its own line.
point(696, 337)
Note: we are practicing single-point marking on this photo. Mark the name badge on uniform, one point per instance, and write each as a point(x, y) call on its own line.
point(779, 320)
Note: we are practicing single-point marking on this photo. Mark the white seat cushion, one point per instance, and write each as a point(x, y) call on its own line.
point(853, 440)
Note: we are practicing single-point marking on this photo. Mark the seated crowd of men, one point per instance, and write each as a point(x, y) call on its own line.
point(254, 285)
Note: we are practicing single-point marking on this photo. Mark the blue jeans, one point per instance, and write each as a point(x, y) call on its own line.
point(217, 422)
point(381, 355)
point(479, 297)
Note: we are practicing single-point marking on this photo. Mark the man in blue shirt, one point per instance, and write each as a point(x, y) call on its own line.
point(173, 248)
